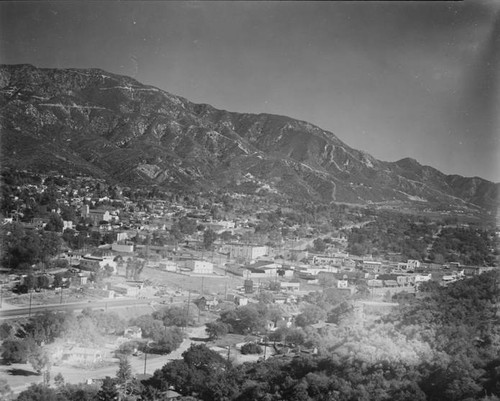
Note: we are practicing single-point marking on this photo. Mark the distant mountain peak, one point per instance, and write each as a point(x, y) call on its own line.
point(95, 122)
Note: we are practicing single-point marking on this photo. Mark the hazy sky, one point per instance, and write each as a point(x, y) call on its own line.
point(396, 79)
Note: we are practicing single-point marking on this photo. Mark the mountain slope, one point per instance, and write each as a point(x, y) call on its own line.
point(93, 122)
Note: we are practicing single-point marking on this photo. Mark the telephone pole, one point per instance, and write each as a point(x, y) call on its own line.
point(187, 310)
point(29, 312)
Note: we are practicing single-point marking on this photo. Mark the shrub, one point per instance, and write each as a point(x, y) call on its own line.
point(251, 348)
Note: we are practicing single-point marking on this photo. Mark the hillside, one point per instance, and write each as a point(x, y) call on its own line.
point(88, 121)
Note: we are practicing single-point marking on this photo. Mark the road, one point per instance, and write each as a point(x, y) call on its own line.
point(79, 375)
point(102, 304)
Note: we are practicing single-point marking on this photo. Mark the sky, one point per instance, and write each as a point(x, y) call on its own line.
point(394, 79)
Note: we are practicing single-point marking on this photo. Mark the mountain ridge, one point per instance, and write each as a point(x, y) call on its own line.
point(100, 123)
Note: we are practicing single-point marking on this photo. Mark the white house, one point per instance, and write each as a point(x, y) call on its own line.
point(133, 332)
point(168, 265)
point(67, 224)
point(200, 266)
point(289, 286)
point(327, 260)
point(342, 284)
point(420, 278)
point(82, 355)
point(94, 263)
point(121, 236)
point(126, 289)
point(122, 247)
point(246, 252)
point(405, 280)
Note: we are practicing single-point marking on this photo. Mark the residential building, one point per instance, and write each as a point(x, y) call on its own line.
point(83, 355)
point(289, 286)
point(94, 263)
point(200, 266)
point(245, 251)
point(134, 332)
point(342, 284)
point(122, 247)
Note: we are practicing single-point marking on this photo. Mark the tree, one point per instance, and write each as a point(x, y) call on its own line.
point(20, 247)
point(244, 319)
point(216, 330)
point(186, 225)
point(68, 213)
point(38, 392)
point(59, 380)
point(59, 279)
point(124, 374)
point(199, 370)
point(51, 245)
point(79, 392)
point(38, 358)
point(108, 391)
point(209, 237)
point(55, 223)
point(310, 315)
point(149, 325)
point(174, 316)
point(168, 339)
point(226, 236)
point(6, 393)
point(15, 350)
point(266, 297)
point(251, 348)
point(319, 245)
point(45, 327)
point(30, 281)
point(6, 330)
point(43, 281)
point(134, 268)
point(295, 336)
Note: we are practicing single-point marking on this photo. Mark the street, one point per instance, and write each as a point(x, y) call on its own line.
point(102, 304)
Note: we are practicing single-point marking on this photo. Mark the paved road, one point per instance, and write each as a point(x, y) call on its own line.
point(103, 304)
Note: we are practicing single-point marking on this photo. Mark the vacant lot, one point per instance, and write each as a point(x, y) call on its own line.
point(206, 284)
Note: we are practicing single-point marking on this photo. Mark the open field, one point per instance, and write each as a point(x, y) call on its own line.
point(200, 284)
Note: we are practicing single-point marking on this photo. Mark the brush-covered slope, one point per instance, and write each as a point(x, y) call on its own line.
point(93, 122)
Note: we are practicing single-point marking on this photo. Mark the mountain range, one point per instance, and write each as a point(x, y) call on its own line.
point(92, 122)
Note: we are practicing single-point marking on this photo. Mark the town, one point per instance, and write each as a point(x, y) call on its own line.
point(131, 258)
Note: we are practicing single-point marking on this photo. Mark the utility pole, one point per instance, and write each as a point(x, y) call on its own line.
point(29, 312)
point(187, 310)
point(145, 357)
point(61, 294)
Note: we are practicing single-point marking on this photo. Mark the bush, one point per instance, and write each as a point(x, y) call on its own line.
point(251, 348)
point(128, 348)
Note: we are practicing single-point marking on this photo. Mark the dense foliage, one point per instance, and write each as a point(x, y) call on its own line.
point(419, 238)
point(468, 246)
point(22, 248)
point(441, 347)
